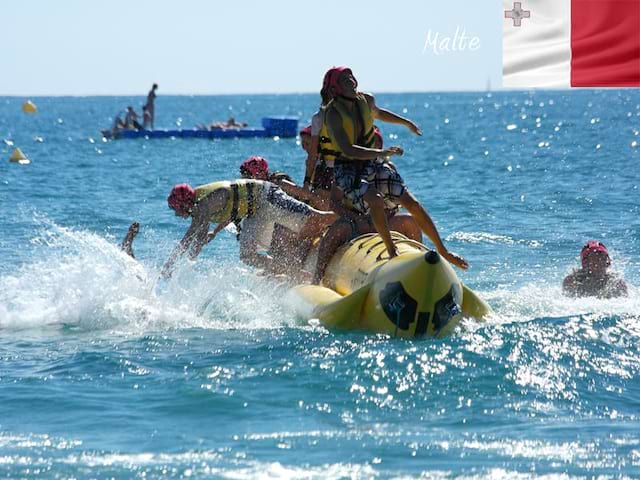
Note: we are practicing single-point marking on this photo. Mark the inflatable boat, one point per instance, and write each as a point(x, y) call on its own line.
point(415, 294)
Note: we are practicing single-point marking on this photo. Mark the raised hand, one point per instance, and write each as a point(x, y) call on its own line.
point(414, 128)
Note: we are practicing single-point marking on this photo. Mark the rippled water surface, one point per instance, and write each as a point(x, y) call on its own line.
point(107, 372)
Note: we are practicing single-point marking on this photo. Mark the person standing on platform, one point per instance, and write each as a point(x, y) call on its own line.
point(150, 109)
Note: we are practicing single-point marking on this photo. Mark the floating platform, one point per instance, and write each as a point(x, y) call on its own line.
point(271, 127)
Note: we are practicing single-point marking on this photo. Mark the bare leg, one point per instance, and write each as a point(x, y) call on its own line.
point(126, 245)
point(316, 223)
point(379, 218)
point(408, 201)
point(406, 225)
point(336, 236)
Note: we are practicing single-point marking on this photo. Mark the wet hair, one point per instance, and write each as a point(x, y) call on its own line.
point(324, 94)
point(155, 85)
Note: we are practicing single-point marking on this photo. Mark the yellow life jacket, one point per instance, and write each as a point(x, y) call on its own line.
point(328, 148)
point(241, 198)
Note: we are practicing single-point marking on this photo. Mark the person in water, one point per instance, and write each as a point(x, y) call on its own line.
point(150, 107)
point(347, 136)
point(593, 278)
point(258, 205)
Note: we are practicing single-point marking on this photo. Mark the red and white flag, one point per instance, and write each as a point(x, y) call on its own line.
point(571, 43)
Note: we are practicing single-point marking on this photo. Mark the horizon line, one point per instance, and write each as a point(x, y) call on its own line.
point(228, 94)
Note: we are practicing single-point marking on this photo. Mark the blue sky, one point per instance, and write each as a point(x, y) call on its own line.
point(117, 47)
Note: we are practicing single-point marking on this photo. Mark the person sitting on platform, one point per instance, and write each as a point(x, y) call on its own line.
point(228, 125)
point(593, 278)
point(131, 119)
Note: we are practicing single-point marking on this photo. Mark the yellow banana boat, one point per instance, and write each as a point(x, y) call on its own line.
point(412, 295)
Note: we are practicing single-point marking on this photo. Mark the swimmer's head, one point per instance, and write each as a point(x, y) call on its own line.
point(339, 82)
point(595, 257)
point(155, 85)
point(182, 199)
point(255, 167)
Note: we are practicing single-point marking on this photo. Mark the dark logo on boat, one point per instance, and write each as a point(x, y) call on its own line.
point(446, 308)
point(398, 305)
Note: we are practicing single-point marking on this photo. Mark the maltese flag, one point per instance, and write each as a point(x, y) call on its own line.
point(571, 43)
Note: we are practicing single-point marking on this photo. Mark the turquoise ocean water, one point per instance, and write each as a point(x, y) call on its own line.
point(105, 373)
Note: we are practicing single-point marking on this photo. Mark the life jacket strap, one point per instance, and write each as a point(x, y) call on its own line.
point(251, 199)
point(234, 199)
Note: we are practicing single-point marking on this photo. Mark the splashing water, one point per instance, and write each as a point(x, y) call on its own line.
point(83, 280)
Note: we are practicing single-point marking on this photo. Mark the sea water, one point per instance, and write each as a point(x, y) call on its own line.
point(108, 372)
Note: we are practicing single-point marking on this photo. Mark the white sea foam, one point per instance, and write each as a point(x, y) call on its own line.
point(540, 300)
point(492, 238)
point(83, 280)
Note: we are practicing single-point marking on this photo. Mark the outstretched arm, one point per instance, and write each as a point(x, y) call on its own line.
point(217, 230)
point(390, 117)
point(200, 239)
point(356, 152)
point(194, 231)
point(294, 190)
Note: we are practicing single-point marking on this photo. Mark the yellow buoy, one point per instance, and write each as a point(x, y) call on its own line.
point(19, 157)
point(29, 107)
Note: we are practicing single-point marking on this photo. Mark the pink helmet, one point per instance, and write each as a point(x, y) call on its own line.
point(593, 246)
point(182, 198)
point(331, 80)
point(255, 167)
point(306, 130)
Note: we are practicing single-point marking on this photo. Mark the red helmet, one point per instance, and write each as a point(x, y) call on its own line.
point(593, 246)
point(331, 80)
point(306, 130)
point(255, 167)
point(182, 198)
